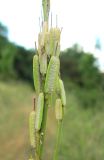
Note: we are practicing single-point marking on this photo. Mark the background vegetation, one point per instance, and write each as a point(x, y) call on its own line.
point(82, 134)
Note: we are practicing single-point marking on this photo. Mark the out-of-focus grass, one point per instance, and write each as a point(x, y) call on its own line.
point(82, 134)
point(15, 104)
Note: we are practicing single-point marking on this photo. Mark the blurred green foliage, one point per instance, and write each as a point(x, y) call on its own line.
point(15, 61)
point(80, 68)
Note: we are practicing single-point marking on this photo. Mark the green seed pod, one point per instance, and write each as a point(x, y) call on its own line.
point(39, 111)
point(43, 63)
point(47, 47)
point(54, 40)
point(58, 109)
point(57, 33)
point(52, 73)
point(32, 128)
point(36, 74)
point(62, 92)
point(42, 38)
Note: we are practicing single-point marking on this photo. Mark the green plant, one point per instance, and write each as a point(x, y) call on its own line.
point(47, 82)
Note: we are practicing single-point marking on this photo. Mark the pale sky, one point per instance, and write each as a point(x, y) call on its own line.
point(82, 21)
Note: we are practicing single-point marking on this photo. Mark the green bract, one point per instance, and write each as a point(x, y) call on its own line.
point(39, 111)
point(58, 109)
point(43, 63)
point(52, 73)
point(32, 128)
point(36, 73)
point(62, 92)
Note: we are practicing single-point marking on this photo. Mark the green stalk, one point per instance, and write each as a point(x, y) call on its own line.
point(37, 150)
point(59, 128)
point(43, 128)
point(46, 9)
point(42, 75)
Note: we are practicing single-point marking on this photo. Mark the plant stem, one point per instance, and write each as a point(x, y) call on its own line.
point(58, 140)
point(43, 128)
point(46, 9)
point(37, 150)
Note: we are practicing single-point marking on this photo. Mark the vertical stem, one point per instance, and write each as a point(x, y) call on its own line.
point(46, 9)
point(37, 150)
point(43, 128)
point(58, 140)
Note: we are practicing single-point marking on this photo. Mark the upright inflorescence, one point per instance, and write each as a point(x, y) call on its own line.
point(47, 82)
